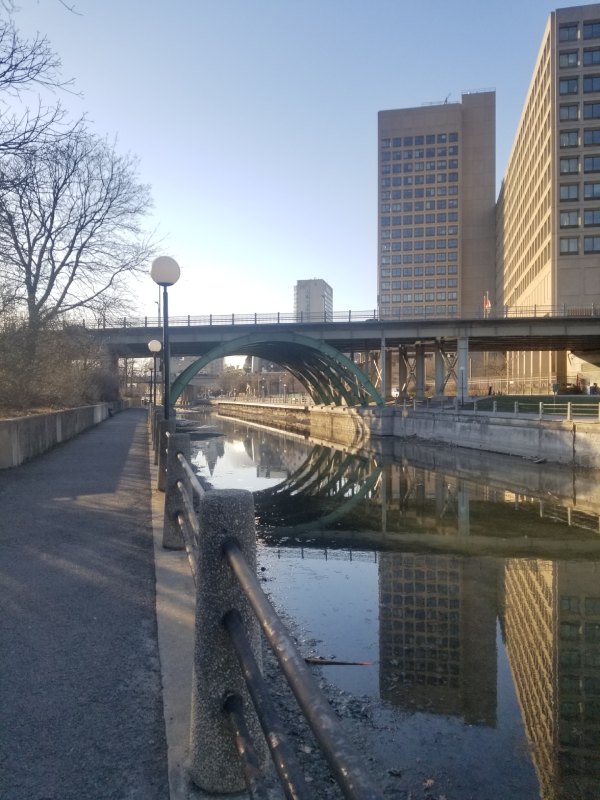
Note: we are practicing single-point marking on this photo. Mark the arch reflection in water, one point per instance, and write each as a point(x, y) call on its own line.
point(486, 668)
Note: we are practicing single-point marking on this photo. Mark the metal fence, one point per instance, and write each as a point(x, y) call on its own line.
point(369, 316)
point(234, 721)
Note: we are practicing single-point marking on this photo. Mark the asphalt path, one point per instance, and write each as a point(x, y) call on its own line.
point(81, 712)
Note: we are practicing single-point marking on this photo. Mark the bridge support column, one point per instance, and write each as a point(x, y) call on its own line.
point(402, 371)
point(462, 357)
point(383, 364)
point(388, 373)
point(440, 383)
point(420, 371)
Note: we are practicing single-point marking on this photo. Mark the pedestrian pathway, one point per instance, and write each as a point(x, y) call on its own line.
point(81, 712)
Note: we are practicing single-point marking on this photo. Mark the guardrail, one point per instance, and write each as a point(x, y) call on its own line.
point(320, 317)
point(231, 705)
point(551, 410)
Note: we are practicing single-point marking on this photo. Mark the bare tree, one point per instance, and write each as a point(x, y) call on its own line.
point(71, 226)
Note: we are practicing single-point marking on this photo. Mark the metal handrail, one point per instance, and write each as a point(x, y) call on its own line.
point(354, 782)
point(319, 317)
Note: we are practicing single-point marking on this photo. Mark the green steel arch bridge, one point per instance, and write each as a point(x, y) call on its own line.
point(321, 351)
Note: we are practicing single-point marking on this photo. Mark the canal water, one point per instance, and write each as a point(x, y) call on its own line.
point(466, 585)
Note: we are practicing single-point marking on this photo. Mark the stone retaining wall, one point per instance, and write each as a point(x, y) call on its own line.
point(23, 438)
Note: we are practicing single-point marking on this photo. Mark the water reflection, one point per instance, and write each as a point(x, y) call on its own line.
point(486, 669)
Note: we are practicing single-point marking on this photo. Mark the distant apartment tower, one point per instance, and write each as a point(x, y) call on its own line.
point(313, 300)
point(436, 226)
point(548, 211)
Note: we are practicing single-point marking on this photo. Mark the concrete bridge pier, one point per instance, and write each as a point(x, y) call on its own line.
point(440, 380)
point(462, 375)
point(402, 371)
point(420, 371)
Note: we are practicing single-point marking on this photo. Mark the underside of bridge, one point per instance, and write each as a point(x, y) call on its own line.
point(328, 376)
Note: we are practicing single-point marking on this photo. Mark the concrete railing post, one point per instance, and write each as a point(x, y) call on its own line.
point(159, 413)
point(541, 413)
point(164, 426)
point(569, 411)
point(494, 407)
point(516, 406)
point(176, 443)
point(214, 763)
point(475, 405)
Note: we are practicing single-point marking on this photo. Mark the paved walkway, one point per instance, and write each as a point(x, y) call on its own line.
point(81, 712)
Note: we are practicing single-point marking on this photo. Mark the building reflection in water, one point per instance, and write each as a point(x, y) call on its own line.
point(438, 613)
point(437, 624)
point(551, 625)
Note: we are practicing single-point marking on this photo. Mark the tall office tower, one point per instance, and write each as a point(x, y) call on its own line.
point(436, 208)
point(313, 300)
point(548, 212)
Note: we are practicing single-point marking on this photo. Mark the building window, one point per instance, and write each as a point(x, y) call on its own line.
point(568, 58)
point(591, 56)
point(567, 33)
point(569, 245)
point(591, 217)
point(591, 191)
point(569, 165)
point(591, 136)
point(385, 142)
point(591, 244)
point(569, 112)
point(591, 83)
point(591, 30)
point(453, 137)
point(591, 164)
point(569, 191)
point(569, 138)
point(569, 219)
point(591, 110)
point(568, 86)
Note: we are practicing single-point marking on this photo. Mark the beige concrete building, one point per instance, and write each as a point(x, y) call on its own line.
point(436, 208)
point(548, 211)
point(313, 300)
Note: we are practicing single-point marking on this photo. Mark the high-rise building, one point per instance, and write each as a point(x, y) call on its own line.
point(548, 212)
point(313, 300)
point(436, 230)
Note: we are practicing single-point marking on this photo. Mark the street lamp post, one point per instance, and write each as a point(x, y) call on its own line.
point(165, 272)
point(155, 347)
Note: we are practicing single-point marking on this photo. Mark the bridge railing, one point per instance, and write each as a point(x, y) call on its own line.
point(560, 408)
point(230, 701)
point(369, 316)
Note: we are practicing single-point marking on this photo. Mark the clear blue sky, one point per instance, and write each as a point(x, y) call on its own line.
point(255, 122)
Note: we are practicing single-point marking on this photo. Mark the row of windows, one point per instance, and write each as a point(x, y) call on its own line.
point(450, 310)
point(570, 245)
point(427, 205)
point(591, 83)
point(570, 164)
point(408, 272)
point(423, 258)
point(419, 219)
point(591, 136)
point(428, 152)
point(419, 297)
point(409, 180)
point(570, 191)
point(409, 233)
point(419, 166)
point(570, 58)
point(430, 283)
point(421, 180)
point(570, 32)
point(428, 244)
point(409, 141)
point(571, 219)
point(569, 112)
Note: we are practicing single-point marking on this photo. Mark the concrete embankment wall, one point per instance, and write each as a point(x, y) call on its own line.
point(570, 442)
point(560, 441)
point(23, 438)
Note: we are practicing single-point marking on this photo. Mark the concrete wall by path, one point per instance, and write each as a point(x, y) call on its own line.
point(23, 438)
